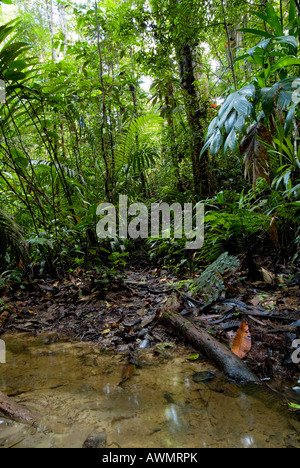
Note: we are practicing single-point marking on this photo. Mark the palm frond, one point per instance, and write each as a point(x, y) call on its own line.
point(139, 136)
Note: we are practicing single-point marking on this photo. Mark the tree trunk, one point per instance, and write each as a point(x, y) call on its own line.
point(49, 9)
point(63, 24)
point(104, 127)
point(196, 112)
point(169, 103)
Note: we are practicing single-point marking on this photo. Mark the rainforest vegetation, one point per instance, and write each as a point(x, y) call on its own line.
point(162, 101)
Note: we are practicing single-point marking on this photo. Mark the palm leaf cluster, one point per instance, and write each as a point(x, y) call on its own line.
point(136, 148)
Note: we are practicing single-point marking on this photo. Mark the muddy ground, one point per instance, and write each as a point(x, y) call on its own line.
point(122, 313)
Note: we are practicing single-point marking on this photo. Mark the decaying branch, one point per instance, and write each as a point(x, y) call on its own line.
point(232, 366)
point(17, 412)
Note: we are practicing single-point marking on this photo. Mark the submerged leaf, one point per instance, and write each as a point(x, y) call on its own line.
point(203, 376)
point(127, 371)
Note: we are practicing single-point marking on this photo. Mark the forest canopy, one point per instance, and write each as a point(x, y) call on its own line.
point(170, 101)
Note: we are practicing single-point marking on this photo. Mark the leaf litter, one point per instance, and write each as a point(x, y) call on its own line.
point(259, 320)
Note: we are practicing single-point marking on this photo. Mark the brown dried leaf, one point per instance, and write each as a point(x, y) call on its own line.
point(264, 134)
point(242, 342)
point(244, 146)
point(261, 153)
point(268, 276)
point(259, 171)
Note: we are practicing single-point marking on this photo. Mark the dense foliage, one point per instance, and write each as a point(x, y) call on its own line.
point(169, 100)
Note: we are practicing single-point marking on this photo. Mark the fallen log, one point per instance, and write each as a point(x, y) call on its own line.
point(230, 364)
point(15, 411)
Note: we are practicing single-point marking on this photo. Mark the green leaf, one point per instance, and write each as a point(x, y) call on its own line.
point(289, 119)
point(268, 101)
point(39, 241)
point(285, 62)
point(231, 141)
point(262, 46)
point(240, 123)
point(273, 20)
point(216, 142)
point(230, 122)
point(12, 75)
point(257, 32)
point(139, 135)
point(8, 2)
point(259, 15)
point(212, 127)
point(194, 357)
point(293, 11)
point(294, 405)
point(19, 158)
point(289, 40)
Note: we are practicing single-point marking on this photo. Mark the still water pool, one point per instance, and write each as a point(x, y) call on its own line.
point(75, 389)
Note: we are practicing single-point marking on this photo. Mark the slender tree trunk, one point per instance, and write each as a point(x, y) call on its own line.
point(104, 126)
point(63, 24)
point(172, 135)
point(63, 137)
point(49, 9)
point(229, 45)
point(196, 112)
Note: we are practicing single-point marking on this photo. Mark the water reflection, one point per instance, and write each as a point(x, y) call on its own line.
point(75, 389)
point(247, 441)
point(172, 417)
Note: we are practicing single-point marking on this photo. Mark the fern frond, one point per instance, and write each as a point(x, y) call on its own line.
point(139, 135)
point(210, 282)
point(11, 237)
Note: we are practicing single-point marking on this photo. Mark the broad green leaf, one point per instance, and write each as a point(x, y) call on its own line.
point(285, 62)
point(292, 11)
point(216, 142)
point(257, 32)
point(290, 40)
point(212, 126)
point(262, 46)
point(248, 90)
point(240, 123)
point(230, 122)
point(259, 15)
point(231, 141)
point(289, 119)
point(19, 158)
point(273, 20)
point(13, 75)
point(268, 100)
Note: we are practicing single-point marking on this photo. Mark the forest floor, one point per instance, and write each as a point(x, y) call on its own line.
point(124, 314)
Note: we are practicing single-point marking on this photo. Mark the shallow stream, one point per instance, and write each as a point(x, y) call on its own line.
point(75, 389)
